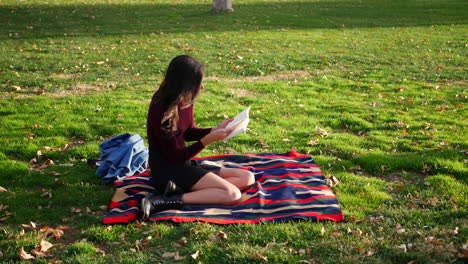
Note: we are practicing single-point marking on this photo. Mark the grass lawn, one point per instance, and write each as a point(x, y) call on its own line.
point(374, 90)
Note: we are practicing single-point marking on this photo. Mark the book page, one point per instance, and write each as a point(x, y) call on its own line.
point(239, 123)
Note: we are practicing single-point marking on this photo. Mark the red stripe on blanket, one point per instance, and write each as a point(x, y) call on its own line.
point(288, 155)
point(123, 219)
point(253, 189)
point(297, 201)
point(114, 204)
point(335, 217)
point(283, 165)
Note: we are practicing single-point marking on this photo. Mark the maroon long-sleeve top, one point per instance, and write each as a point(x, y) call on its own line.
point(164, 149)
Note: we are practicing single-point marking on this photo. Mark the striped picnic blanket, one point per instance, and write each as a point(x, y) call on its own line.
point(288, 186)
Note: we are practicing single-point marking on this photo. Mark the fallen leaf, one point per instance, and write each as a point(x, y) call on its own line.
point(174, 255)
point(45, 194)
point(55, 233)
point(313, 142)
point(38, 253)
point(24, 255)
point(222, 235)
point(403, 247)
point(3, 189)
point(101, 252)
point(78, 210)
point(147, 239)
point(31, 225)
point(183, 240)
point(45, 245)
point(437, 242)
point(258, 256)
point(436, 87)
point(178, 257)
point(332, 181)
point(320, 131)
point(61, 182)
point(400, 229)
point(277, 244)
point(454, 231)
point(195, 255)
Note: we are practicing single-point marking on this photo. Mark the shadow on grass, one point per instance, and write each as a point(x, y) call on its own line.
point(43, 21)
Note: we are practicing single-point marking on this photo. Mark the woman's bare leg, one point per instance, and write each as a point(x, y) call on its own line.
point(238, 177)
point(212, 189)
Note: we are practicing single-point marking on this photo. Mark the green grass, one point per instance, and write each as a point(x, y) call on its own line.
point(385, 79)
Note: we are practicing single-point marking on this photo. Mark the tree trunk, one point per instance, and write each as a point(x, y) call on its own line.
point(222, 6)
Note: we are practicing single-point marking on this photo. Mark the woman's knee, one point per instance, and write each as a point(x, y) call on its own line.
point(249, 177)
point(234, 194)
point(246, 177)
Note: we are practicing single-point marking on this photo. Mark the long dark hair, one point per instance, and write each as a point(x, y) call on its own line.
point(182, 84)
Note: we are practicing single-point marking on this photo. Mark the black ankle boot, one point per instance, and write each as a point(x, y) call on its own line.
point(172, 188)
point(157, 203)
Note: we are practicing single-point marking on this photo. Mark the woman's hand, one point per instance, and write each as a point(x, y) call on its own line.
point(216, 135)
point(223, 124)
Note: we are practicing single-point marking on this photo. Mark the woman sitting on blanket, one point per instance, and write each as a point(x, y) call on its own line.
point(170, 123)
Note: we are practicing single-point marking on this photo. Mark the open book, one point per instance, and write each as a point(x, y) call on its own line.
point(239, 123)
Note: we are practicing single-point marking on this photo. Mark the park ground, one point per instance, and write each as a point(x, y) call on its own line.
point(374, 90)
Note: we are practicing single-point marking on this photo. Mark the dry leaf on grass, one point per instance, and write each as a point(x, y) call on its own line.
point(45, 245)
point(313, 142)
point(25, 255)
point(258, 256)
point(222, 235)
point(174, 255)
point(168, 255)
point(322, 231)
point(31, 225)
point(55, 233)
point(320, 131)
point(3, 189)
point(101, 252)
point(195, 255)
point(332, 181)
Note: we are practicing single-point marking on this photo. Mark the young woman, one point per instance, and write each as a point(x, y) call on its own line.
point(170, 124)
